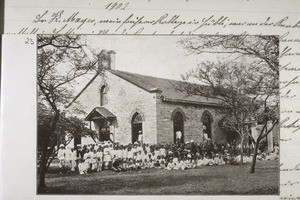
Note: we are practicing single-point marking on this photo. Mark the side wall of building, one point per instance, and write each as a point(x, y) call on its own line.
point(123, 100)
point(193, 126)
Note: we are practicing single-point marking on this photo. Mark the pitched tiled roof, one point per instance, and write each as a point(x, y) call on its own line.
point(170, 89)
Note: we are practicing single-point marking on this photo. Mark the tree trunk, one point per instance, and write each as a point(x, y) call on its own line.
point(42, 174)
point(254, 157)
point(242, 150)
point(51, 159)
point(42, 171)
point(44, 157)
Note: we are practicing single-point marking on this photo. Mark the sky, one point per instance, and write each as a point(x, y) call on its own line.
point(159, 56)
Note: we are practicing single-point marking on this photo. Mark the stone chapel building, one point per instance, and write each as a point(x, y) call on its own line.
point(119, 104)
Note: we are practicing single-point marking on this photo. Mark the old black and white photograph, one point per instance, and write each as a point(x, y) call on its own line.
point(157, 114)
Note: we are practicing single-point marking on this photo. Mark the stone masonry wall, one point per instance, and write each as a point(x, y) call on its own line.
point(193, 127)
point(124, 100)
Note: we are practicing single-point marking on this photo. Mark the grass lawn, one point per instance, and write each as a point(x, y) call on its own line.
point(215, 180)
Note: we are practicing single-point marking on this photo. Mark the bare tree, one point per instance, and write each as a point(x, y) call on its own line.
point(61, 60)
point(262, 49)
point(243, 85)
point(270, 115)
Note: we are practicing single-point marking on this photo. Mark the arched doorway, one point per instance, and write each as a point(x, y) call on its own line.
point(207, 121)
point(136, 126)
point(178, 125)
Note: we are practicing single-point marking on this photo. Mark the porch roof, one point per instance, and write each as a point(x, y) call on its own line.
point(100, 113)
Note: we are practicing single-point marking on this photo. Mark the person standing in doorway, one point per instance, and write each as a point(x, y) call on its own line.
point(140, 138)
point(178, 137)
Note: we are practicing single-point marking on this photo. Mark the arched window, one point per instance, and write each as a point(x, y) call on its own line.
point(103, 96)
point(136, 126)
point(178, 125)
point(207, 121)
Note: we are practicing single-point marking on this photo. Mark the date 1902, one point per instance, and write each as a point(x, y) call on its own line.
point(116, 6)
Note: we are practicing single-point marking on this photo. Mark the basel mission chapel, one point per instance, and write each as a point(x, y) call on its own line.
point(118, 105)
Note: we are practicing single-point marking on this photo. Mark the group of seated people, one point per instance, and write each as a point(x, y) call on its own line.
point(189, 155)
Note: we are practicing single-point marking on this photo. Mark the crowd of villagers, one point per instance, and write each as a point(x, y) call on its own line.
point(139, 156)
